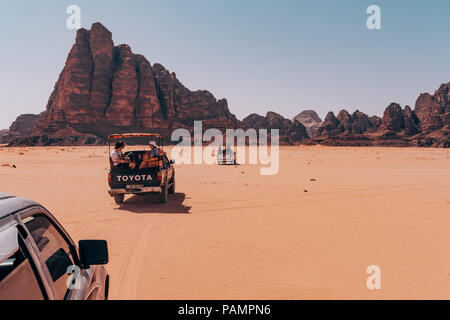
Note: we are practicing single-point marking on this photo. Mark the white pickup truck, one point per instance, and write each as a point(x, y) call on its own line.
point(226, 156)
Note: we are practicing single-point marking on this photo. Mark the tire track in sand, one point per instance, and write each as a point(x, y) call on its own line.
point(91, 220)
point(88, 223)
point(131, 269)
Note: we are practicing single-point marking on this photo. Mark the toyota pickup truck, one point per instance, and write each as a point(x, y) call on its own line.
point(157, 177)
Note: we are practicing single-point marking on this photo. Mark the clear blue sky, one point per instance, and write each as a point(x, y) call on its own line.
point(285, 55)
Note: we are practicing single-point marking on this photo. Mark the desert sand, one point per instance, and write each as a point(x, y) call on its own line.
point(308, 232)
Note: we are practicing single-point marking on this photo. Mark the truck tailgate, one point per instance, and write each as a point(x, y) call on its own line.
point(124, 178)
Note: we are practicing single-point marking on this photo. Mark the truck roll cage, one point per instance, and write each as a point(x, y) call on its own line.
point(157, 136)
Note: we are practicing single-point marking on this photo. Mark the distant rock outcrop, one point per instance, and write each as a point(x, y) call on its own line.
point(429, 112)
point(24, 124)
point(400, 121)
point(291, 132)
point(3, 132)
point(362, 123)
point(393, 118)
point(428, 125)
point(346, 123)
point(433, 114)
point(310, 119)
point(21, 127)
point(329, 126)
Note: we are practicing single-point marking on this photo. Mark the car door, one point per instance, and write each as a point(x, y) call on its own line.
point(56, 252)
point(58, 256)
point(20, 278)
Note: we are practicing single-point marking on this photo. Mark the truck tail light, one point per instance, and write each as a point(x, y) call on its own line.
point(159, 176)
point(109, 178)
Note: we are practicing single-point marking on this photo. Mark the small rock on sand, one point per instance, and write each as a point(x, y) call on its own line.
point(8, 165)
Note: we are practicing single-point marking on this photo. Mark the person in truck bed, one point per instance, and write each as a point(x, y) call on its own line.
point(117, 158)
point(155, 151)
point(150, 158)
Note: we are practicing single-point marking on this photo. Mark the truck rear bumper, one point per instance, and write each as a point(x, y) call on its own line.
point(134, 191)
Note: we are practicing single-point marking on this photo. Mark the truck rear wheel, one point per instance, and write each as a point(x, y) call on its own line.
point(172, 186)
point(163, 194)
point(119, 198)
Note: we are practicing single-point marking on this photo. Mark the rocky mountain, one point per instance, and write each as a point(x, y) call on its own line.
point(310, 119)
point(329, 126)
point(3, 132)
point(24, 124)
point(21, 127)
point(355, 123)
point(403, 122)
point(433, 114)
point(428, 125)
point(105, 88)
point(291, 132)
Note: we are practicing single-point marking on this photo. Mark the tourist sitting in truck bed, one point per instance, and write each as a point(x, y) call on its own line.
point(117, 158)
point(151, 157)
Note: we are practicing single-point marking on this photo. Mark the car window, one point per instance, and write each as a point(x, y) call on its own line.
point(17, 279)
point(54, 250)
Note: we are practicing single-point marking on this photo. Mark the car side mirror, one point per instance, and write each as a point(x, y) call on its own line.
point(93, 252)
point(172, 161)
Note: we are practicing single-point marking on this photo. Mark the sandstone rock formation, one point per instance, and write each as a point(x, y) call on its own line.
point(433, 114)
point(376, 121)
point(346, 123)
point(427, 125)
point(329, 126)
point(310, 119)
point(393, 118)
point(291, 132)
point(411, 122)
point(362, 123)
point(21, 127)
point(24, 124)
point(105, 88)
point(400, 121)
point(3, 132)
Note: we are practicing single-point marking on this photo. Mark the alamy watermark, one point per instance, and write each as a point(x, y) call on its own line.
point(373, 22)
point(374, 280)
point(73, 22)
